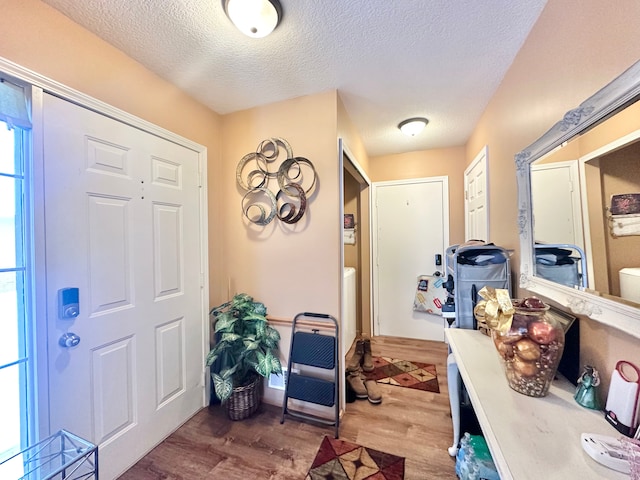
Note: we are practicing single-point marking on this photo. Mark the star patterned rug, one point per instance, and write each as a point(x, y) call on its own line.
point(340, 460)
point(404, 373)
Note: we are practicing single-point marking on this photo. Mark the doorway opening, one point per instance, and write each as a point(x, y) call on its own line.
point(356, 296)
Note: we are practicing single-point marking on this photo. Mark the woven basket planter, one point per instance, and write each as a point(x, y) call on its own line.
point(244, 401)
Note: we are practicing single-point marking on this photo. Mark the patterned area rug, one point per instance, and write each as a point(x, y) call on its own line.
point(340, 460)
point(403, 373)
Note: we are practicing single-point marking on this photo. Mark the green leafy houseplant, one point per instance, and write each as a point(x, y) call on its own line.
point(246, 345)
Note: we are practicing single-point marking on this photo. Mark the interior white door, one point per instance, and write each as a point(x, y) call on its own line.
point(555, 194)
point(412, 226)
point(476, 202)
point(122, 225)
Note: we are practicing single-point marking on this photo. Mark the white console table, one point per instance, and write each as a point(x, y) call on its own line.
point(529, 438)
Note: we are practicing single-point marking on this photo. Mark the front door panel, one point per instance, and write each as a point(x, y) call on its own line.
point(122, 225)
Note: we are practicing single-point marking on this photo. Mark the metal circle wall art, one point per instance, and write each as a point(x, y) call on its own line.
point(295, 176)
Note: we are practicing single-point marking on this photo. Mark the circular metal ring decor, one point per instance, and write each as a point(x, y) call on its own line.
point(284, 179)
point(290, 178)
point(270, 151)
point(252, 174)
point(262, 218)
point(289, 208)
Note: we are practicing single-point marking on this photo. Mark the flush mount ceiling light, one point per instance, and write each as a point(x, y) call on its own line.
point(255, 18)
point(412, 126)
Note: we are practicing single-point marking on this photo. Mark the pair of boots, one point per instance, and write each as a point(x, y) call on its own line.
point(362, 357)
point(363, 388)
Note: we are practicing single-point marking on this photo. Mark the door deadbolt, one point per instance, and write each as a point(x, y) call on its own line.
point(68, 303)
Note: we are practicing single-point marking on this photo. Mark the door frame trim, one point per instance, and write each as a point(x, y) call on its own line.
point(444, 180)
point(39, 84)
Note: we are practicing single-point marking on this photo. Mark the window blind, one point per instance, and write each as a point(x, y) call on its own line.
point(13, 105)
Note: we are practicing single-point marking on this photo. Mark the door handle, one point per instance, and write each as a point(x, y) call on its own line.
point(68, 340)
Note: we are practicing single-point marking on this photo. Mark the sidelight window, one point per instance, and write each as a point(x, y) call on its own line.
point(15, 360)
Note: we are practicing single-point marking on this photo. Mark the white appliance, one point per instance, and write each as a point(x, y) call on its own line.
point(630, 284)
point(349, 312)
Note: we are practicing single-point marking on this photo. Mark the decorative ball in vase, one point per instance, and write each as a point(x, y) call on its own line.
point(531, 348)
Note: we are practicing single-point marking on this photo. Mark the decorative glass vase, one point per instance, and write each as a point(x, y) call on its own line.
point(532, 348)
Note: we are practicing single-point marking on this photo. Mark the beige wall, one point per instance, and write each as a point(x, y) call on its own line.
point(443, 162)
point(351, 202)
point(35, 36)
point(291, 268)
point(620, 174)
point(351, 138)
point(575, 48)
point(570, 151)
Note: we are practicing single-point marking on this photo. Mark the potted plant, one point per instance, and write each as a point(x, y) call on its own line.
point(244, 354)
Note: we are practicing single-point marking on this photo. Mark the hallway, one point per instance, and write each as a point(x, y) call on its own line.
point(409, 423)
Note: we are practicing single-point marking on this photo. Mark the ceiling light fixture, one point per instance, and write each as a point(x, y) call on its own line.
point(413, 126)
point(255, 18)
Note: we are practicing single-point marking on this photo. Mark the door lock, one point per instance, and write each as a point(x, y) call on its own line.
point(68, 303)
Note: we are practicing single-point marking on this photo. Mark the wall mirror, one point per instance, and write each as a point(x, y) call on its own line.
point(578, 222)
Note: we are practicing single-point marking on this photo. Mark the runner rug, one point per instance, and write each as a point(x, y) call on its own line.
point(340, 460)
point(404, 373)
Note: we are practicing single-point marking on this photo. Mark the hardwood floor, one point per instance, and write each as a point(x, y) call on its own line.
point(410, 423)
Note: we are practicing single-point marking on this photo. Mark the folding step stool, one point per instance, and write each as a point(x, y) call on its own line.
point(313, 349)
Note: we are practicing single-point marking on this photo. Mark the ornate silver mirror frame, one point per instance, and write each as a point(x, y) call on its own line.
point(619, 93)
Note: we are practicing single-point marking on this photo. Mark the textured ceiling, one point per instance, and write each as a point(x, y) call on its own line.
point(389, 59)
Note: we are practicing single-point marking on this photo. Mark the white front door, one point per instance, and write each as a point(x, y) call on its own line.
point(411, 227)
point(122, 225)
point(476, 223)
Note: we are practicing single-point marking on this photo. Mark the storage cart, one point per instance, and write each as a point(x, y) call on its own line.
point(312, 368)
point(468, 269)
point(562, 263)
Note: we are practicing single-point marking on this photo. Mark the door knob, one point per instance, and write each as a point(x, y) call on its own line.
point(68, 340)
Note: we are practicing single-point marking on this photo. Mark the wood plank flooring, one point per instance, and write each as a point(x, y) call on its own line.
point(410, 423)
